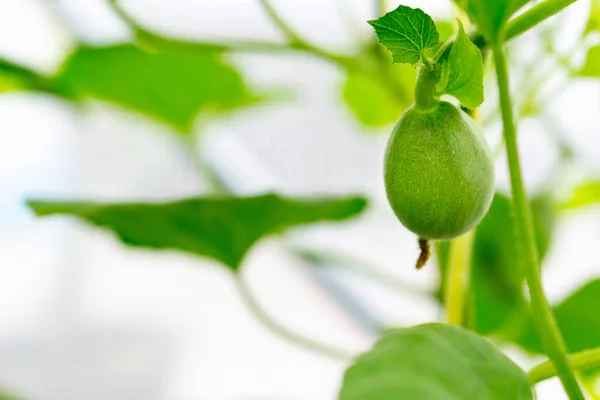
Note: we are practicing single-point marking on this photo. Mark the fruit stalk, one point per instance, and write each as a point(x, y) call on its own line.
point(547, 327)
point(428, 78)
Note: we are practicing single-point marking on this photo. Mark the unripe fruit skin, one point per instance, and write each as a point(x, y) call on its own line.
point(439, 172)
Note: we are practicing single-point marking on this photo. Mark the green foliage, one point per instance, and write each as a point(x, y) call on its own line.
point(591, 68)
point(407, 33)
point(583, 195)
point(498, 305)
point(445, 29)
point(462, 72)
point(434, 361)
point(5, 396)
point(173, 86)
point(490, 16)
point(14, 77)
point(372, 103)
point(223, 229)
point(577, 318)
point(593, 24)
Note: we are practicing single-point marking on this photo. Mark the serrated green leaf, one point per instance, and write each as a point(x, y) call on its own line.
point(490, 16)
point(462, 72)
point(173, 86)
point(223, 229)
point(591, 68)
point(583, 195)
point(373, 104)
point(434, 361)
point(578, 319)
point(407, 33)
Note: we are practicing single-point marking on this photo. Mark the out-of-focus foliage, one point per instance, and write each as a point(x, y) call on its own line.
point(593, 24)
point(498, 304)
point(490, 15)
point(373, 103)
point(434, 361)
point(223, 229)
point(591, 68)
point(173, 86)
point(14, 77)
point(577, 318)
point(583, 195)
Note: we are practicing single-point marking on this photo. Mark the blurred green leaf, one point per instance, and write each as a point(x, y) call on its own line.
point(577, 318)
point(173, 86)
point(375, 105)
point(446, 29)
point(593, 24)
point(591, 68)
point(434, 361)
point(14, 77)
point(490, 15)
point(223, 229)
point(583, 195)
point(462, 72)
point(6, 396)
point(407, 33)
point(498, 304)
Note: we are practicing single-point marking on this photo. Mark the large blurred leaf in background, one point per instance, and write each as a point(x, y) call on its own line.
point(373, 102)
point(591, 67)
point(586, 194)
point(14, 77)
point(173, 86)
point(223, 229)
point(498, 304)
point(578, 319)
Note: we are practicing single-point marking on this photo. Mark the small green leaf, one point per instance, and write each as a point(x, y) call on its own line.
point(407, 33)
point(462, 72)
point(583, 195)
point(373, 104)
point(578, 320)
point(173, 86)
point(490, 16)
point(223, 229)
point(434, 361)
point(591, 68)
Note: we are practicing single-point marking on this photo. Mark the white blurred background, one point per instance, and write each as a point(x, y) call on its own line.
point(84, 318)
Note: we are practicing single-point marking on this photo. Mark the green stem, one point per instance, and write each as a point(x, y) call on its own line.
point(535, 15)
point(582, 361)
point(149, 38)
point(296, 40)
point(276, 328)
point(425, 99)
point(526, 246)
point(458, 276)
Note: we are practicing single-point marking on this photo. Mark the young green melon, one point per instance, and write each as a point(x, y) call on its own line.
point(439, 172)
